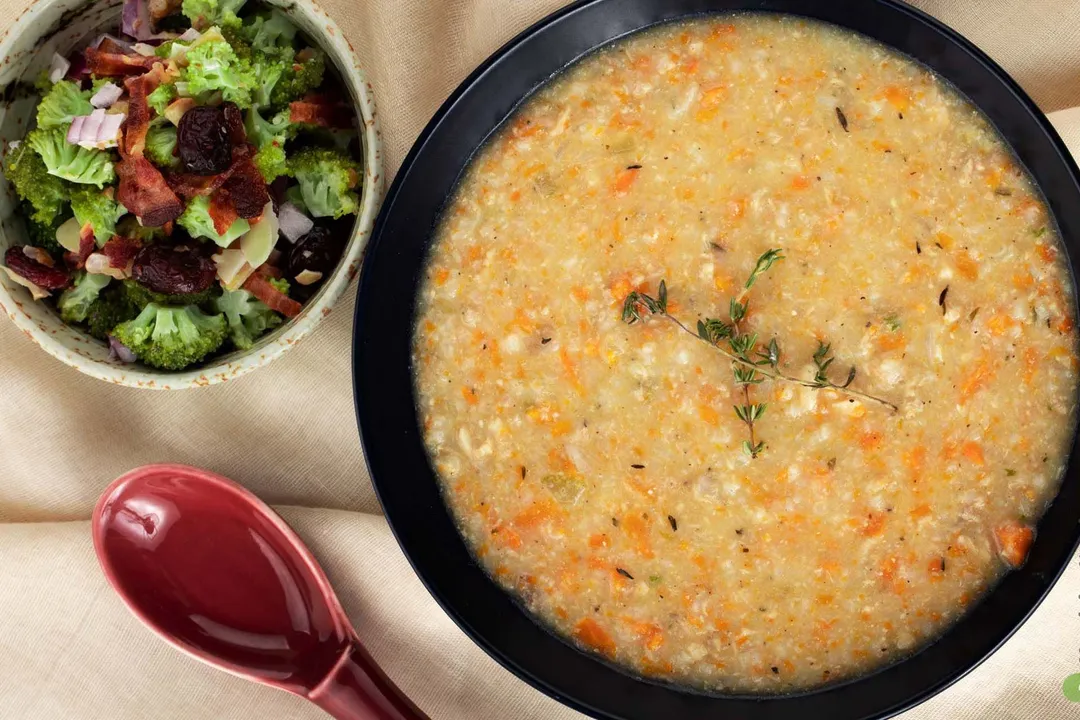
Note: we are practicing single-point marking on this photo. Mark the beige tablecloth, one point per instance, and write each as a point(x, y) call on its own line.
point(70, 651)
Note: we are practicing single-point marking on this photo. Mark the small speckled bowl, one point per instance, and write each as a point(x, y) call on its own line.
point(26, 48)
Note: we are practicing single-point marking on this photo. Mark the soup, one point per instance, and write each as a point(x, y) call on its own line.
point(834, 425)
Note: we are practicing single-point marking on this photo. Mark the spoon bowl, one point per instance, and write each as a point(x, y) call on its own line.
point(216, 573)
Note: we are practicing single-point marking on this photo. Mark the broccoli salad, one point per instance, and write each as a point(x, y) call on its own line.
point(189, 183)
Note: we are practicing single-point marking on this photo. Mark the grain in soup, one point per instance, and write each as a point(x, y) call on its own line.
point(600, 471)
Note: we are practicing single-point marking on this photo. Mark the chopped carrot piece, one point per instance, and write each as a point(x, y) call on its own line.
point(637, 530)
point(509, 538)
point(624, 180)
point(999, 323)
point(973, 451)
point(470, 395)
point(899, 98)
point(936, 568)
point(1047, 252)
point(921, 511)
point(599, 540)
point(589, 633)
point(535, 515)
point(722, 30)
point(1014, 540)
point(800, 182)
point(874, 525)
point(871, 440)
point(966, 266)
point(441, 276)
point(976, 380)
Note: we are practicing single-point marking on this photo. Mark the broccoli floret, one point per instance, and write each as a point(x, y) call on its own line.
point(76, 164)
point(197, 221)
point(279, 284)
point(140, 296)
point(235, 36)
point(46, 194)
point(269, 70)
point(204, 13)
point(160, 143)
point(172, 338)
point(109, 310)
point(42, 235)
point(299, 78)
point(62, 104)
point(262, 132)
point(75, 302)
point(270, 160)
point(327, 178)
point(160, 97)
point(248, 318)
point(214, 67)
point(129, 227)
point(99, 209)
point(271, 33)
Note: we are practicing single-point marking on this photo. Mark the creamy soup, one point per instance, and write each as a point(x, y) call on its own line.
point(750, 528)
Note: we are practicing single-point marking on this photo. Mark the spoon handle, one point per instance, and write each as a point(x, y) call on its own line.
point(357, 689)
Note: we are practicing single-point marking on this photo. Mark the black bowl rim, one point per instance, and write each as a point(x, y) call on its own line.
point(362, 407)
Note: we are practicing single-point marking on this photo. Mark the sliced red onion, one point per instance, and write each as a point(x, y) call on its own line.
point(75, 129)
point(58, 68)
point(189, 35)
point(144, 49)
point(14, 144)
point(293, 223)
point(120, 351)
point(106, 95)
point(98, 130)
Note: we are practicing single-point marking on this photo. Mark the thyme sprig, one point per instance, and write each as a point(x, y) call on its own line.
point(752, 362)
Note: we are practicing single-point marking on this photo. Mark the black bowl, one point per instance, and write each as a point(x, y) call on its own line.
point(385, 402)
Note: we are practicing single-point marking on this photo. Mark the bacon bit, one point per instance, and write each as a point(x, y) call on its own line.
point(121, 250)
point(1014, 540)
point(188, 185)
point(145, 193)
point(246, 188)
point(268, 271)
point(222, 212)
point(273, 298)
point(589, 633)
point(321, 111)
point(108, 64)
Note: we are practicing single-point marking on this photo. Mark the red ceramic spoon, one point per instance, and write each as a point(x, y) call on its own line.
point(216, 573)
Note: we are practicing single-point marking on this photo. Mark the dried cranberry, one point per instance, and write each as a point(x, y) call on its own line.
point(202, 141)
point(234, 123)
point(318, 251)
point(174, 271)
point(45, 277)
